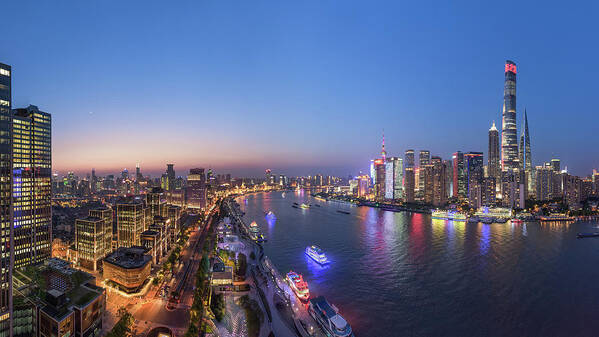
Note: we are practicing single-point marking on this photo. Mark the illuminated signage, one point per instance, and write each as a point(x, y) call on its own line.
point(510, 67)
point(378, 162)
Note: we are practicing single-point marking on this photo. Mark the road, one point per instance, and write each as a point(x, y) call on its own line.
point(151, 310)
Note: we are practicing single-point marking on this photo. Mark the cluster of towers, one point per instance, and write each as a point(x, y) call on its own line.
point(508, 175)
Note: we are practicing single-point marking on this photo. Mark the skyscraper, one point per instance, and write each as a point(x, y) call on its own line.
point(409, 184)
point(32, 186)
point(493, 160)
point(424, 158)
point(6, 205)
point(459, 176)
point(524, 151)
point(196, 188)
point(439, 182)
point(474, 175)
point(170, 175)
point(509, 138)
point(394, 178)
point(409, 158)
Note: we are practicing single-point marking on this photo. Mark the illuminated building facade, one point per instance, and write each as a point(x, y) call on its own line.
point(409, 158)
point(459, 175)
point(544, 182)
point(6, 205)
point(170, 177)
point(379, 186)
point(474, 168)
point(439, 181)
point(130, 220)
point(494, 166)
point(89, 241)
point(156, 201)
point(509, 138)
point(196, 189)
point(105, 213)
point(397, 177)
point(424, 159)
point(409, 184)
point(32, 186)
point(363, 184)
point(128, 267)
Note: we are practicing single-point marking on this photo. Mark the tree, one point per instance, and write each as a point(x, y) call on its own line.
point(218, 306)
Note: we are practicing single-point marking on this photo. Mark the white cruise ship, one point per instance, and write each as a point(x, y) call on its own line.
point(316, 254)
point(329, 319)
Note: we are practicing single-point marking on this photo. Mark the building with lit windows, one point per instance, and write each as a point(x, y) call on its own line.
point(105, 213)
point(409, 184)
point(6, 205)
point(89, 242)
point(439, 181)
point(156, 201)
point(196, 189)
point(509, 137)
point(32, 186)
point(474, 169)
point(459, 175)
point(494, 166)
point(393, 178)
point(130, 221)
point(379, 186)
point(409, 158)
point(128, 267)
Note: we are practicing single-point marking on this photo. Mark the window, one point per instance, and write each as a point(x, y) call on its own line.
point(4, 72)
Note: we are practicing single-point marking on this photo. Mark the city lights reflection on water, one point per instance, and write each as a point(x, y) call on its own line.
point(405, 272)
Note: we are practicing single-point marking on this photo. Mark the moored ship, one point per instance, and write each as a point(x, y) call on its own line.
point(317, 254)
point(329, 319)
point(448, 215)
point(298, 285)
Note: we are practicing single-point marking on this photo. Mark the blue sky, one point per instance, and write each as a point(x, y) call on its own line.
point(300, 87)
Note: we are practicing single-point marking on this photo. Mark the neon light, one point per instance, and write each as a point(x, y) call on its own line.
point(510, 67)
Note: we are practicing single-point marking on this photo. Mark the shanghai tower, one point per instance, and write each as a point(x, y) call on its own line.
point(509, 138)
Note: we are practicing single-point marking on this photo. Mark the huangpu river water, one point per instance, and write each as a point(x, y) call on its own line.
point(403, 274)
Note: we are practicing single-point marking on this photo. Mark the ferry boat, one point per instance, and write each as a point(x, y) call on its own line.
point(270, 214)
point(448, 215)
point(329, 319)
point(254, 227)
point(317, 254)
point(298, 285)
point(517, 221)
point(304, 206)
point(557, 217)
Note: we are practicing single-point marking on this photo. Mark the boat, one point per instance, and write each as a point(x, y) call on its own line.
point(557, 217)
point(270, 214)
point(295, 203)
point(294, 206)
point(587, 235)
point(487, 220)
point(344, 212)
point(517, 221)
point(329, 319)
point(304, 206)
point(473, 219)
point(448, 215)
point(298, 285)
point(254, 227)
point(317, 254)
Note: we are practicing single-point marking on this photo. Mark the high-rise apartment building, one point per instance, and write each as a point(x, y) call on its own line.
point(509, 138)
point(424, 159)
point(130, 221)
point(426, 183)
point(6, 204)
point(379, 187)
point(156, 201)
point(494, 167)
point(394, 178)
point(556, 165)
point(32, 185)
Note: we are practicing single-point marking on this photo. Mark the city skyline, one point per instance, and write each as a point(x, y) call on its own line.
point(276, 84)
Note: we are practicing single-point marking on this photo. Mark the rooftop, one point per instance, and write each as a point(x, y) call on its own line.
point(129, 257)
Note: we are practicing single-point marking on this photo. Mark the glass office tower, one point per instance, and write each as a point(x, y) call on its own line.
point(32, 186)
point(6, 209)
point(509, 138)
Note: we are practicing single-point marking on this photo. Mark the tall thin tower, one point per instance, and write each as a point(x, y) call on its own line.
point(524, 151)
point(509, 137)
point(494, 167)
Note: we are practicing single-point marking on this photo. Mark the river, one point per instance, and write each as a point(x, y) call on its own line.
point(404, 274)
